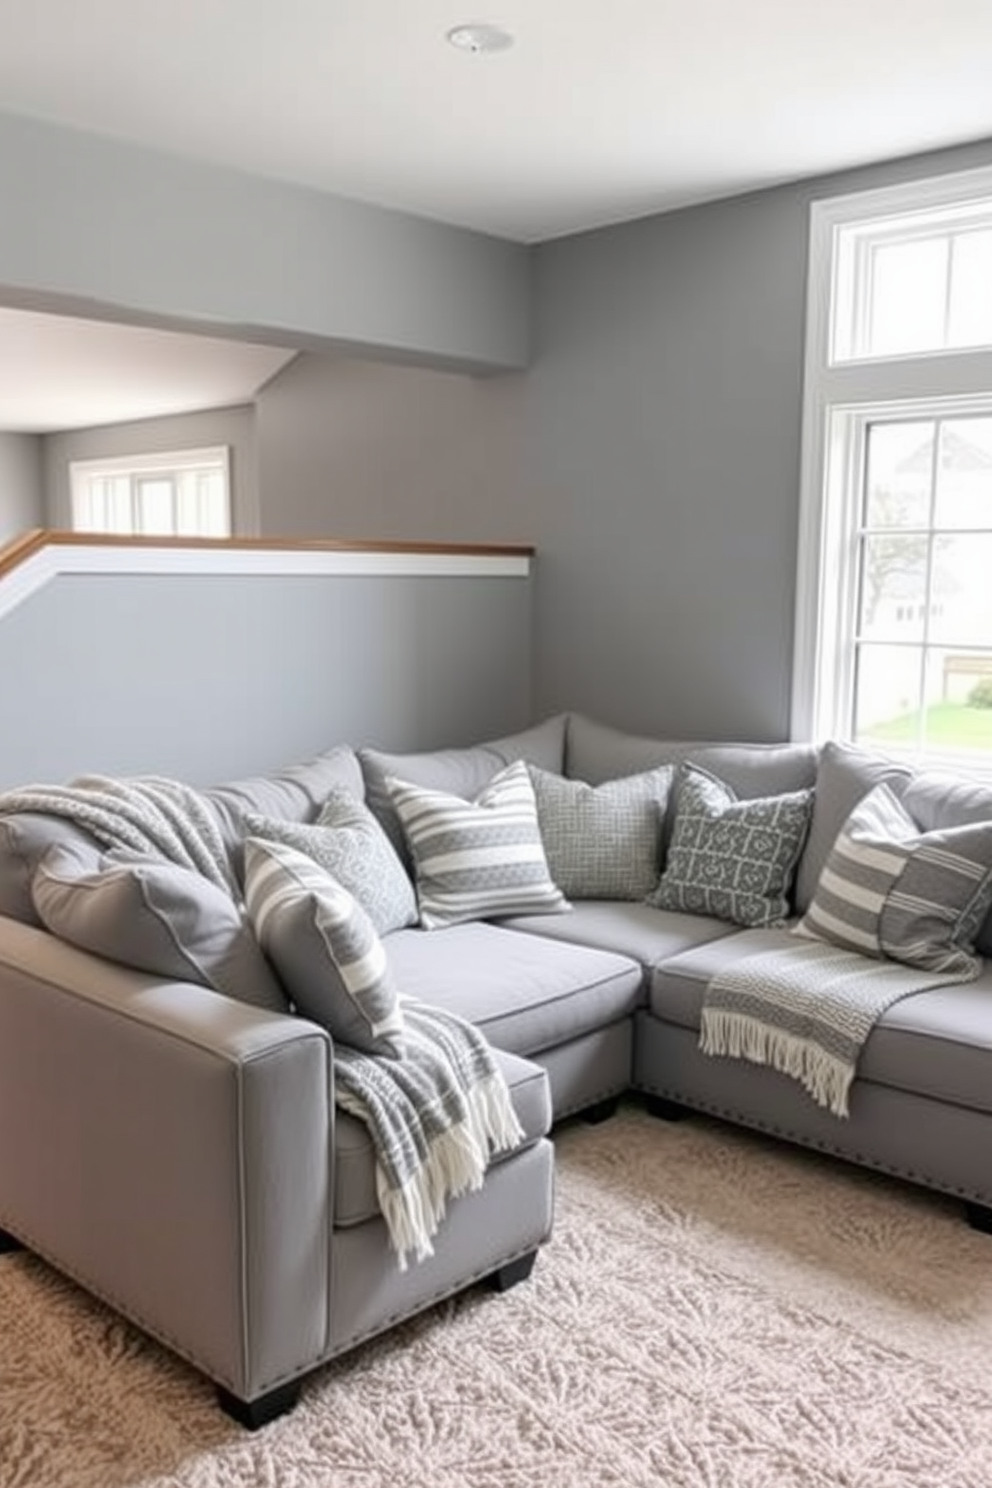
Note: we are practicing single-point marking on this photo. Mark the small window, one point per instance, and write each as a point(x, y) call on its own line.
point(180, 493)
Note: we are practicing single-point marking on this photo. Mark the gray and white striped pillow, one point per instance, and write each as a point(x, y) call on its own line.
point(479, 859)
point(890, 890)
point(323, 946)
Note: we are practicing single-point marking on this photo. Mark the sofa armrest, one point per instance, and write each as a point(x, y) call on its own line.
point(172, 1150)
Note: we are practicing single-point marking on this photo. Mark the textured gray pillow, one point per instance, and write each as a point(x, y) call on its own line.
point(156, 916)
point(603, 841)
point(729, 858)
point(325, 947)
point(480, 859)
point(350, 845)
point(889, 890)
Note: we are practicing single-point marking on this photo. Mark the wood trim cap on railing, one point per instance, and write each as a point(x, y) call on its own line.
point(18, 551)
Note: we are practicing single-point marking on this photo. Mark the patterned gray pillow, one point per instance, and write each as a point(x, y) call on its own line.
point(603, 841)
point(349, 843)
point(732, 859)
point(889, 889)
point(324, 947)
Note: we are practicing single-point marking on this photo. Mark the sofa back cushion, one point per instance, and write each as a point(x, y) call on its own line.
point(294, 793)
point(844, 777)
point(457, 772)
point(595, 752)
point(156, 916)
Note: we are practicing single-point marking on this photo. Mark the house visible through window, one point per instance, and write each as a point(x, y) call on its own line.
point(894, 605)
point(180, 493)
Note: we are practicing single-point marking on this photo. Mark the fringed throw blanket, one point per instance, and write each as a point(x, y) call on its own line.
point(806, 1008)
point(149, 815)
point(436, 1117)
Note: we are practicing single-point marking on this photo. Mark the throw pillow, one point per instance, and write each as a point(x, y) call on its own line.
point(603, 841)
point(479, 859)
point(732, 859)
point(460, 772)
point(324, 946)
point(156, 916)
point(890, 890)
point(348, 842)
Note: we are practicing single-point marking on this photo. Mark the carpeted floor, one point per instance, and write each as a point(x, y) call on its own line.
point(714, 1311)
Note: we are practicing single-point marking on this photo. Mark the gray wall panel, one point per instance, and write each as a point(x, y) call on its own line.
point(88, 220)
point(21, 486)
point(206, 678)
point(361, 450)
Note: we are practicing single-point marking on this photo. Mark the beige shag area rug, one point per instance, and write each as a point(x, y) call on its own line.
point(714, 1311)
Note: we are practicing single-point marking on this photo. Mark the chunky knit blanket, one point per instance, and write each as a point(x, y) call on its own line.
point(436, 1116)
point(148, 815)
point(806, 1008)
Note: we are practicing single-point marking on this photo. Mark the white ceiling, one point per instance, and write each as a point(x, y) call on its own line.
point(604, 110)
point(57, 372)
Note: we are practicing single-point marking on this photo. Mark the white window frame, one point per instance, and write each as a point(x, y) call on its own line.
point(163, 463)
point(841, 395)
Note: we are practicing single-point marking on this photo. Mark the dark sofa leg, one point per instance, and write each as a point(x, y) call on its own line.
point(601, 1111)
point(979, 1217)
point(256, 1413)
point(513, 1272)
point(9, 1242)
point(665, 1110)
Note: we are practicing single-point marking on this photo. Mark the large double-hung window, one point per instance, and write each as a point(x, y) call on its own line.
point(894, 610)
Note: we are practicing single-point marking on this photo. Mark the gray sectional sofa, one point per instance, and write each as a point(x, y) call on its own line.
point(175, 1146)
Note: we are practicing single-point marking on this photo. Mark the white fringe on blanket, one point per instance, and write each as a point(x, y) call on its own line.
point(437, 1116)
point(806, 1008)
point(456, 1163)
point(824, 1076)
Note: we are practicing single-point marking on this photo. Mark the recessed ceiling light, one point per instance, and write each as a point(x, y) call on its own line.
point(479, 36)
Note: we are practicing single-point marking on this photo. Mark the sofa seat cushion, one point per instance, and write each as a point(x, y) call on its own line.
point(355, 1197)
point(640, 931)
point(936, 1044)
point(524, 992)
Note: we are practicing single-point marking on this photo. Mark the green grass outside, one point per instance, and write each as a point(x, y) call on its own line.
point(953, 725)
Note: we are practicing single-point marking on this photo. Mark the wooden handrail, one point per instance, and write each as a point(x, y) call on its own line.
point(14, 553)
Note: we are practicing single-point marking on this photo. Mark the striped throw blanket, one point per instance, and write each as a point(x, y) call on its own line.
point(806, 1008)
point(436, 1117)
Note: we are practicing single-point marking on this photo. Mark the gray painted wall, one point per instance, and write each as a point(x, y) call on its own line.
point(90, 222)
point(234, 427)
point(21, 488)
point(663, 446)
point(207, 677)
point(651, 453)
point(359, 449)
